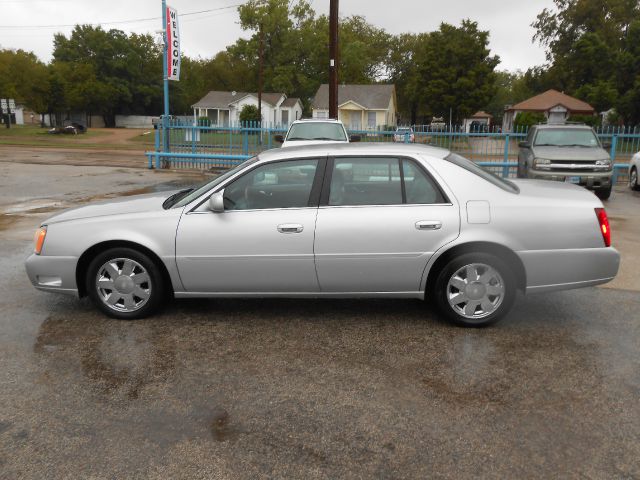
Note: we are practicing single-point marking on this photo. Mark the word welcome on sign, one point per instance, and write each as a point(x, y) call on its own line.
point(173, 45)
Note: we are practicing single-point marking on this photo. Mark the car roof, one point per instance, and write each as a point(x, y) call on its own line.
point(572, 126)
point(320, 120)
point(337, 149)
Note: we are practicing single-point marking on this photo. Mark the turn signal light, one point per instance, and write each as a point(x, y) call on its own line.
point(39, 239)
point(605, 229)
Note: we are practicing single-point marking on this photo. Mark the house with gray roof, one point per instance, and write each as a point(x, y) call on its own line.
point(223, 108)
point(360, 106)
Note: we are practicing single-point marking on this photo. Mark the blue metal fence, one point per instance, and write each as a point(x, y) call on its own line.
point(207, 147)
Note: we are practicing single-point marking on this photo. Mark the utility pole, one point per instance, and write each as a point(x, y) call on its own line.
point(260, 74)
point(333, 59)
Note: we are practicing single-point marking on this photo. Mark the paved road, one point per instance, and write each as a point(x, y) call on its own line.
point(305, 388)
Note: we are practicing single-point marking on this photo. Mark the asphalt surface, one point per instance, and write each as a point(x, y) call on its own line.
point(304, 388)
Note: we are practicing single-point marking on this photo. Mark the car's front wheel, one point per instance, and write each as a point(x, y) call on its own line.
point(633, 179)
point(475, 289)
point(125, 283)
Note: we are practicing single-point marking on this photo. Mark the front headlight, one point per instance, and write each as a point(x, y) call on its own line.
point(38, 239)
point(603, 163)
point(541, 163)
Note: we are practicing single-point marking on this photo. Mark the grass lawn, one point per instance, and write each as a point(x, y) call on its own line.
point(34, 136)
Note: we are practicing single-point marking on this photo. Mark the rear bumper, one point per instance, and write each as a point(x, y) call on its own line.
point(53, 274)
point(549, 270)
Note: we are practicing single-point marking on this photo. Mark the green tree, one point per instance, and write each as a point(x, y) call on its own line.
point(451, 68)
point(510, 88)
point(249, 113)
point(525, 120)
point(24, 78)
point(117, 73)
point(593, 50)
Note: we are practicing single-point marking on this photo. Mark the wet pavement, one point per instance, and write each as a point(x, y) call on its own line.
point(316, 389)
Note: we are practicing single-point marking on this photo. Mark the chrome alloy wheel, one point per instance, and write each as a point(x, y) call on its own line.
point(475, 291)
point(123, 285)
point(633, 179)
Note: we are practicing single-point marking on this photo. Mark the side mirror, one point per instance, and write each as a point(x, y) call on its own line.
point(279, 138)
point(524, 145)
point(355, 138)
point(216, 202)
point(606, 145)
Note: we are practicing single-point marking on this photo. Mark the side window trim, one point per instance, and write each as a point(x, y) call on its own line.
point(314, 195)
point(326, 184)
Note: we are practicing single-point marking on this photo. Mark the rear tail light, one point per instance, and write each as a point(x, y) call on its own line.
point(605, 229)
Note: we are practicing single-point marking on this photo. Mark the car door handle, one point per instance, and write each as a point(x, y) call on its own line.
point(290, 228)
point(429, 225)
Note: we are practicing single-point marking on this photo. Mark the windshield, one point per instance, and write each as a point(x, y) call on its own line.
point(481, 172)
point(202, 188)
point(404, 130)
point(565, 137)
point(316, 131)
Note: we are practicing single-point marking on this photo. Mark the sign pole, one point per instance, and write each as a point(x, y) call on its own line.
point(333, 59)
point(165, 117)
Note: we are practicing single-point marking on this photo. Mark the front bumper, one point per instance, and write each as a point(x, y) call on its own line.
point(549, 270)
point(53, 274)
point(591, 180)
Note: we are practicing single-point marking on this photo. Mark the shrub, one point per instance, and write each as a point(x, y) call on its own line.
point(527, 119)
point(591, 120)
point(249, 113)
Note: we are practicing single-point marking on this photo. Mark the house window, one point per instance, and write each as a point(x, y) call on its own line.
point(285, 117)
point(322, 114)
point(371, 119)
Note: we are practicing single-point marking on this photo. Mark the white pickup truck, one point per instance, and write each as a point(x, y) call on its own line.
point(315, 131)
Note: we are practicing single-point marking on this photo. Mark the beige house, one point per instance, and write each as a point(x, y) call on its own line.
point(360, 107)
point(556, 106)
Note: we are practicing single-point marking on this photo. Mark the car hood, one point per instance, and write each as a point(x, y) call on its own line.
point(570, 153)
point(135, 204)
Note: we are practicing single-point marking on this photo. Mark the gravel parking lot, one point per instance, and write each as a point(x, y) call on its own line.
point(305, 388)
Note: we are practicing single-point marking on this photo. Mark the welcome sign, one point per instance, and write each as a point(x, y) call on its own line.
point(173, 44)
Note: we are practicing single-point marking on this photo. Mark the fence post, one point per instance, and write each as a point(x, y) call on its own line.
point(505, 167)
point(157, 148)
point(245, 139)
point(612, 154)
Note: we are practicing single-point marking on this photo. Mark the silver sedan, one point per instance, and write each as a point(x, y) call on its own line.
point(358, 220)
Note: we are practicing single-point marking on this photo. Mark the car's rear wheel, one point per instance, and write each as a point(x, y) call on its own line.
point(633, 179)
point(475, 289)
point(604, 193)
point(125, 283)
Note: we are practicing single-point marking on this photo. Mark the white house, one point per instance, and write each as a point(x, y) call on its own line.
point(223, 108)
point(359, 106)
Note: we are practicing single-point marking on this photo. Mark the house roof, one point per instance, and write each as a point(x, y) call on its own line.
point(371, 97)
point(551, 98)
point(290, 102)
point(481, 114)
point(216, 99)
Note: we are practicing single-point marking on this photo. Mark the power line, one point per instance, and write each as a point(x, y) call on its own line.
point(121, 22)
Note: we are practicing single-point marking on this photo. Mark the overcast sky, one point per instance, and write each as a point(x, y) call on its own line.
point(205, 34)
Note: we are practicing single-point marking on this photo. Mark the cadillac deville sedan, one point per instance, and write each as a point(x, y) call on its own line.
point(354, 220)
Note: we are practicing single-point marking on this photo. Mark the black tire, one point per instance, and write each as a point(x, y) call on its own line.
point(633, 184)
point(502, 307)
point(523, 170)
point(154, 287)
point(604, 193)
